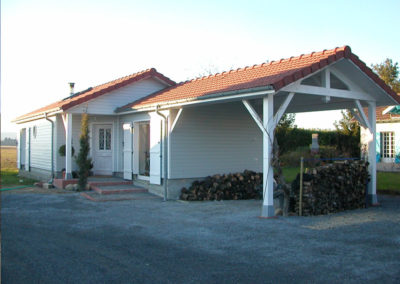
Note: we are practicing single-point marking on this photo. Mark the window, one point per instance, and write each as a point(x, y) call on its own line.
point(104, 138)
point(387, 144)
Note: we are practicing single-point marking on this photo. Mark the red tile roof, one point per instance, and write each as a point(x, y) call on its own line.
point(276, 74)
point(387, 116)
point(380, 117)
point(97, 91)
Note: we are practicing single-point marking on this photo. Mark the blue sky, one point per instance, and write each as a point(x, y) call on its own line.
point(46, 44)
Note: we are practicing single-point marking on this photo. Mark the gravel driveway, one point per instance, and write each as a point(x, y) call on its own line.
point(64, 238)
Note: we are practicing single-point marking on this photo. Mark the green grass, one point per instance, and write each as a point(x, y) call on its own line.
point(9, 177)
point(290, 173)
point(388, 182)
point(9, 172)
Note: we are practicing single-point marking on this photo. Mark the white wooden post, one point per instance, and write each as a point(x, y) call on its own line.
point(68, 146)
point(268, 172)
point(128, 150)
point(372, 153)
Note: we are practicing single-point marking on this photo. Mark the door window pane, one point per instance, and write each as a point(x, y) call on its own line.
point(108, 139)
point(101, 139)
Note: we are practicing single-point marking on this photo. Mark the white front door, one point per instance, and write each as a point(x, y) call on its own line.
point(102, 150)
point(128, 151)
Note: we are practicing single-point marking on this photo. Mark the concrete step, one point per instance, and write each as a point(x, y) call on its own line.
point(110, 183)
point(117, 189)
point(94, 196)
point(96, 181)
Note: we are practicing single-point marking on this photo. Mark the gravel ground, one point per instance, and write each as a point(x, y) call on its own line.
point(64, 238)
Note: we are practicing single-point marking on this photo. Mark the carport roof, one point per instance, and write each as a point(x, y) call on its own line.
point(276, 74)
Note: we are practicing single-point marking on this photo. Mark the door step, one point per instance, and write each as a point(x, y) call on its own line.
point(94, 196)
point(116, 189)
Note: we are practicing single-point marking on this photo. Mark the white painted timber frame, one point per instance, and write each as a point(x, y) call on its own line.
point(128, 133)
point(267, 126)
point(362, 118)
point(68, 145)
point(370, 124)
point(372, 153)
point(322, 91)
point(326, 90)
point(388, 109)
point(357, 95)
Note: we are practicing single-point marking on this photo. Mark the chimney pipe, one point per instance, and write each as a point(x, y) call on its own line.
point(71, 87)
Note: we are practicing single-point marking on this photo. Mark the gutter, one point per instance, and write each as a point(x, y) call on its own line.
point(164, 151)
point(230, 95)
point(36, 117)
point(52, 147)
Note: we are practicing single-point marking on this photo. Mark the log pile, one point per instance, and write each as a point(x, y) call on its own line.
point(246, 185)
point(332, 188)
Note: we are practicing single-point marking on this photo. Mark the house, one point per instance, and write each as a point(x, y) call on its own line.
point(387, 138)
point(145, 127)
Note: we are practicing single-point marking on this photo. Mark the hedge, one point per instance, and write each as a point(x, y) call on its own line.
point(293, 138)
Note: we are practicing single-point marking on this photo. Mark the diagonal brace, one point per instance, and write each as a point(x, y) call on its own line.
point(255, 116)
point(363, 116)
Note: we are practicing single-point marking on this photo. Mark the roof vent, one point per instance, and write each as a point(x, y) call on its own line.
point(71, 88)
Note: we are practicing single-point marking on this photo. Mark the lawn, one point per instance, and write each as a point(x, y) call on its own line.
point(388, 182)
point(9, 172)
point(290, 173)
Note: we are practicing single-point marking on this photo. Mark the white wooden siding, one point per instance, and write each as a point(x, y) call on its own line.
point(213, 139)
point(106, 104)
point(40, 148)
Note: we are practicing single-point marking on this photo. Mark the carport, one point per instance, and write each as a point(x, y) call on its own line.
point(328, 80)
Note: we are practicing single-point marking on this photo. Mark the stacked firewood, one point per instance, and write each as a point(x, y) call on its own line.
point(332, 188)
point(246, 185)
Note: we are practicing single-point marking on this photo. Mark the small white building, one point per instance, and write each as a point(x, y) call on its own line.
point(387, 138)
point(147, 128)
